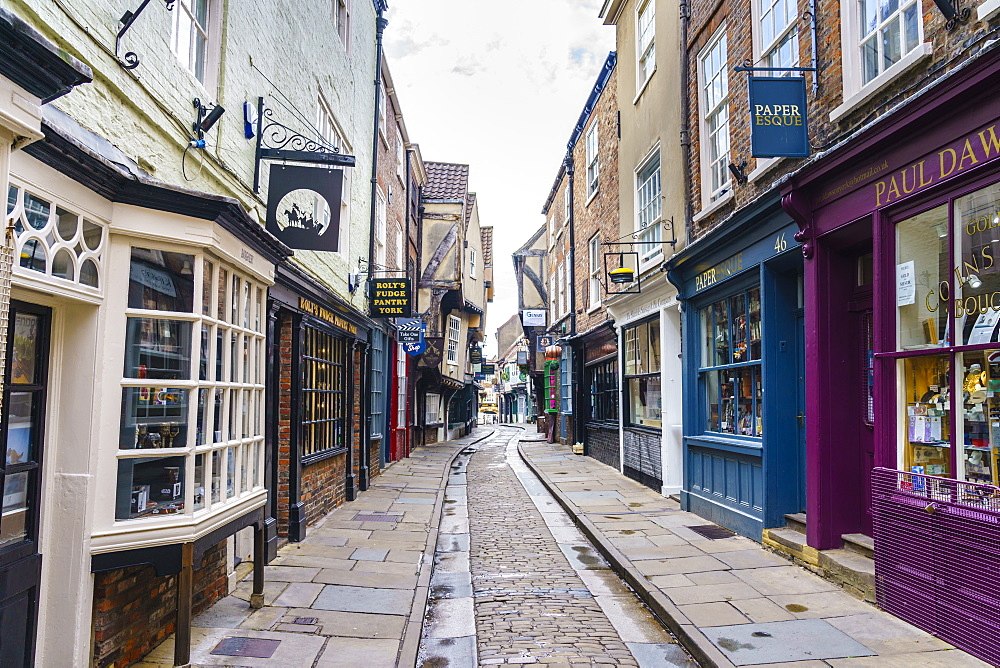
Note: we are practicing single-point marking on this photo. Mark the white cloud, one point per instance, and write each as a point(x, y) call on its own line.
point(497, 85)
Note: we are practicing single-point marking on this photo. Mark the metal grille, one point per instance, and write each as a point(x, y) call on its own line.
point(6, 267)
point(642, 456)
point(937, 545)
point(868, 370)
point(376, 518)
point(712, 531)
point(603, 445)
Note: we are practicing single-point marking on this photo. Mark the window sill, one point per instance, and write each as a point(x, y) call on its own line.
point(645, 429)
point(321, 456)
point(593, 308)
point(713, 207)
point(764, 165)
point(593, 195)
point(642, 87)
point(988, 10)
point(869, 90)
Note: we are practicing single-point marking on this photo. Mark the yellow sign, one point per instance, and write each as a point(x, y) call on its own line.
point(324, 314)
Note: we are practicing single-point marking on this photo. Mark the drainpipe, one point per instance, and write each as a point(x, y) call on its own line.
point(366, 400)
point(685, 130)
point(571, 174)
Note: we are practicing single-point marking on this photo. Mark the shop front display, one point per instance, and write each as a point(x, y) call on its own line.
point(744, 333)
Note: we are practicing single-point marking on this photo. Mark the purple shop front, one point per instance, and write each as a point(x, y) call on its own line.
point(900, 231)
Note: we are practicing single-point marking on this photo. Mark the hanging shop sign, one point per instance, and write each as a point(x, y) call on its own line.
point(543, 342)
point(489, 369)
point(522, 357)
point(475, 355)
point(292, 212)
point(533, 317)
point(389, 297)
point(433, 353)
point(415, 348)
point(778, 119)
point(410, 330)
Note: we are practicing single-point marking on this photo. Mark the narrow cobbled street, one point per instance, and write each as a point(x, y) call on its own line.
point(515, 582)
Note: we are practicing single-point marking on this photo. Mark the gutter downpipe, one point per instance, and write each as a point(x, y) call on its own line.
point(685, 131)
point(366, 400)
point(571, 173)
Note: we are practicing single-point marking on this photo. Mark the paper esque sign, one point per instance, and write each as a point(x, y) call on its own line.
point(389, 297)
point(778, 120)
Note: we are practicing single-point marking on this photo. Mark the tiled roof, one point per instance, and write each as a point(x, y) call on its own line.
point(486, 233)
point(470, 202)
point(446, 180)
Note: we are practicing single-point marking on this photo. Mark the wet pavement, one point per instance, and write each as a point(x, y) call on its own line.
point(730, 601)
point(353, 593)
point(514, 581)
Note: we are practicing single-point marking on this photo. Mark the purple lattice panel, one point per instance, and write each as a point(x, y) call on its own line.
point(937, 552)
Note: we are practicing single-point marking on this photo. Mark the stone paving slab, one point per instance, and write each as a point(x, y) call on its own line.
point(706, 589)
point(365, 583)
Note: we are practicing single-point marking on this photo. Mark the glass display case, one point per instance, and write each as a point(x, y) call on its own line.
point(928, 419)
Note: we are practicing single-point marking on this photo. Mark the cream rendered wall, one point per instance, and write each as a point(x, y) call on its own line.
point(651, 118)
point(147, 112)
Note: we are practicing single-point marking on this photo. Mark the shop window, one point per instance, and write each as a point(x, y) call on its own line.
point(731, 370)
point(57, 241)
point(432, 408)
point(401, 358)
point(23, 422)
point(566, 381)
point(603, 385)
point(377, 415)
point(197, 405)
point(642, 374)
point(324, 394)
point(951, 408)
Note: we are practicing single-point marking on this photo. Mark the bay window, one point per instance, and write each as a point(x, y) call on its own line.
point(191, 425)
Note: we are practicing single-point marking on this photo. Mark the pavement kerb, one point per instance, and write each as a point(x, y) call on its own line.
point(410, 646)
point(689, 635)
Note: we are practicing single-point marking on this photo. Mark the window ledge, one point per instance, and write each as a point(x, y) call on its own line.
point(764, 165)
point(316, 457)
point(593, 308)
point(868, 91)
point(642, 87)
point(988, 10)
point(593, 195)
point(714, 206)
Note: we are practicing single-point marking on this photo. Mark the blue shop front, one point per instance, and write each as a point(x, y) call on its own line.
point(744, 370)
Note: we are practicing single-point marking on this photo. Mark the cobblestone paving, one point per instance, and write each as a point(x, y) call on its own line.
point(530, 604)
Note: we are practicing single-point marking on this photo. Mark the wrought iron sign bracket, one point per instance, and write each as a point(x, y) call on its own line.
point(130, 61)
point(952, 14)
point(277, 141)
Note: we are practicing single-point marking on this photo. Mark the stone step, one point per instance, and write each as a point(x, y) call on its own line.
point(796, 522)
point(853, 572)
point(788, 538)
point(860, 543)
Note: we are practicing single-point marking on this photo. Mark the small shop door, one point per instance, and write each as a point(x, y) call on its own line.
point(21, 430)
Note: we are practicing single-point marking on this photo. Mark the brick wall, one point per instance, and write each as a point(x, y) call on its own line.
point(284, 419)
point(324, 486)
point(134, 610)
point(949, 51)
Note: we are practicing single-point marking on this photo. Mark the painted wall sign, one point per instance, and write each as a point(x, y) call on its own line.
point(389, 297)
point(778, 121)
point(324, 314)
point(533, 317)
point(292, 213)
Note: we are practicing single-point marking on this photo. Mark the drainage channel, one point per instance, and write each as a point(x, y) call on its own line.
point(450, 632)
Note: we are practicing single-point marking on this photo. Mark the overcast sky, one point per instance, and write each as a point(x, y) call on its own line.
point(498, 86)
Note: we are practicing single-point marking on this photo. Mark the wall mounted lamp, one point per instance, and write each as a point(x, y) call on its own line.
point(207, 118)
point(739, 171)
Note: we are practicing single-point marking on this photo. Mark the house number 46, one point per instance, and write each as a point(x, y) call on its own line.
point(780, 243)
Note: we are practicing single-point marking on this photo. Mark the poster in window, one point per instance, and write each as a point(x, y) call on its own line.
point(22, 370)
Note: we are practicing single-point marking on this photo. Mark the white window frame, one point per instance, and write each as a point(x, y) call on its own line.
point(400, 159)
point(553, 293)
point(400, 249)
point(400, 386)
point(342, 22)
point(645, 43)
point(185, 47)
point(472, 263)
point(454, 334)
point(563, 272)
point(330, 132)
point(383, 102)
point(710, 191)
point(380, 225)
point(769, 53)
point(649, 208)
point(593, 160)
point(594, 260)
point(567, 200)
point(432, 408)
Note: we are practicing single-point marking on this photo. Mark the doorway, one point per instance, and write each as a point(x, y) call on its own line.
point(21, 432)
